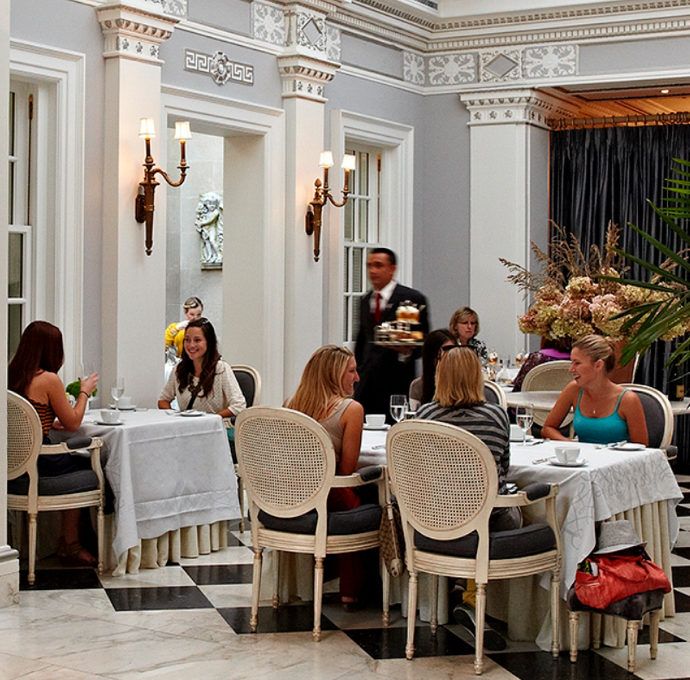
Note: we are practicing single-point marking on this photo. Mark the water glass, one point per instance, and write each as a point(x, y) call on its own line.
point(398, 405)
point(524, 416)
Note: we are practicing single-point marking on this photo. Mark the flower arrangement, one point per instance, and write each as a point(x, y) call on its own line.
point(578, 293)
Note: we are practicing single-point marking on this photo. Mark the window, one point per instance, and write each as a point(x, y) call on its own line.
point(362, 231)
point(20, 238)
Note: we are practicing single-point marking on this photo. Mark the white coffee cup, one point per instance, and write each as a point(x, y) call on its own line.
point(124, 402)
point(375, 420)
point(567, 454)
point(109, 416)
point(516, 433)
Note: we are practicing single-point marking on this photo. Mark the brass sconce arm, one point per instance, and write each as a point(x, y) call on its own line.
point(144, 204)
point(322, 195)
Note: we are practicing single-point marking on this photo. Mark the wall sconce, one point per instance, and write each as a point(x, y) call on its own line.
point(144, 202)
point(322, 194)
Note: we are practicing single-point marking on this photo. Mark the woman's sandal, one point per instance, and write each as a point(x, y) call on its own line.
point(76, 554)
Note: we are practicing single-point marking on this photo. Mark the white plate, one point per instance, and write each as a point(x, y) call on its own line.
point(578, 463)
point(518, 440)
point(629, 446)
point(191, 414)
point(102, 422)
point(132, 407)
point(375, 429)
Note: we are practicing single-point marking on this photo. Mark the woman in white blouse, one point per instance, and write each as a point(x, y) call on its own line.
point(202, 380)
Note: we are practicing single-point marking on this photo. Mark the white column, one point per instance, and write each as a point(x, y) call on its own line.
point(304, 70)
point(133, 296)
point(509, 156)
point(9, 559)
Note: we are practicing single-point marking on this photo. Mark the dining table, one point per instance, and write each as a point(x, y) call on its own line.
point(173, 481)
point(607, 483)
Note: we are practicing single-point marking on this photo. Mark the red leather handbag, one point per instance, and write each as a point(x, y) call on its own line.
point(603, 579)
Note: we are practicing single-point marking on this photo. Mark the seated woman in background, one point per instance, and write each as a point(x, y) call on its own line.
point(422, 389)
point(552, 350)
point(464, 325)
point(193, 308)
point(325, 393)
point(459, 400)
point(604, 412)
point(32, 373)
point(202, 380)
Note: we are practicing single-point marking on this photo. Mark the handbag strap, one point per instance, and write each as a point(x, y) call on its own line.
point(194, 391)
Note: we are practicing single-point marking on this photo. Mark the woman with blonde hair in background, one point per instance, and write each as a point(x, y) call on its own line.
point(604, 412)
point(464, 325)
point(325, 393)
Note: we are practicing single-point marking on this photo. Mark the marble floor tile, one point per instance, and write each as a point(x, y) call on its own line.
point(164, 576)
point(288, 619)
point(228, 595)
point(161, 597)
point(218, 574)
point(672, 661)
point(230, 555)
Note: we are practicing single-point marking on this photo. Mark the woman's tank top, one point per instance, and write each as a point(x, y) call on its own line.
point(45, 413)
point(606, 430)
point(335, 429)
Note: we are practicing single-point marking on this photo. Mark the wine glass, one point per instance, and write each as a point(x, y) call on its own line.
point(524, 416)
point(117, 390)
point(398, 406)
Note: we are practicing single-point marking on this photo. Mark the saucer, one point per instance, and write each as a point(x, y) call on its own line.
point(629, 446)
point(191, 414)
point(378, 428)
point(578, 463)
point(518, 440)
point(131, 407)
point(102, 422)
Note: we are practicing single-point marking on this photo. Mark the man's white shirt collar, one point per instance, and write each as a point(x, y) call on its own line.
point(386, 293)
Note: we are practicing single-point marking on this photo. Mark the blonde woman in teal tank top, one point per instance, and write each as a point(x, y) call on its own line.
point(604, 411)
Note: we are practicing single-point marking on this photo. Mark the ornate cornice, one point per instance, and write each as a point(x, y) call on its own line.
point(133, 33)
point(514, 106)
point(305, 77)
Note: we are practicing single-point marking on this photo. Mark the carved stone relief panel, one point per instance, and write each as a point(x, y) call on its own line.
point(268, 23)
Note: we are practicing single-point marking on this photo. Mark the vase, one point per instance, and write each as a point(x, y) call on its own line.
point(623, 373)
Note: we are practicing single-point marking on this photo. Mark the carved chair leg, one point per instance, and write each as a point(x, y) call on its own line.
point(33, 517)
point(256, 588)
point(434, 604)
point(277, 557)
point(240, 493)
point(100, 524)
point(411, 614)
point(556, 614)
point(596, 630)
point(654, 632)
point(633, 627)
point(573, 625)
point(318, 595)
point(386, 578)
point(480, 610)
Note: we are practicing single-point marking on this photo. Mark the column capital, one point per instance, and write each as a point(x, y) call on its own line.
point(305, 77)
point(527, 106)
point(132, 32)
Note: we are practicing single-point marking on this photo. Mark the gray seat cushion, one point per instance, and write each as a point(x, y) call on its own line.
point(654, 417)
point(529, 540)
point(71, 482)
point(633, 607)
point(356, 521)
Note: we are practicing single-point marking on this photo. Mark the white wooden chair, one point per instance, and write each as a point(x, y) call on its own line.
point(551, 376)
point(288, 465)
point(446, 484)
point(29, 493)
point(494, 394)
point(249, 381)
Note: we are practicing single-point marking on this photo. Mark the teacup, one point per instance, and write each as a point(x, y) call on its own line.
point(567, 454)
point(375, 420)
point(124, 402)
point(516, 433)
point(109, 416)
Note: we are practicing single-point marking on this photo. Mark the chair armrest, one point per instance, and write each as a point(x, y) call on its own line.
point(671, 451)
point(72, 444)
point(79, 442)
point(372, 473)
point(527, 496)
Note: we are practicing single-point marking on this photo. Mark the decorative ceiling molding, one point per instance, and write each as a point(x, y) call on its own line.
point(305, 77)
point(502, 107)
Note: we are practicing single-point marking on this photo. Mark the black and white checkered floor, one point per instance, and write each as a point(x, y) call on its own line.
point(192, 620)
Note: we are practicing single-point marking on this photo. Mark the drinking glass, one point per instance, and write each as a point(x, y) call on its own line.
point(117, 390)
point(524, 416)
point(398, 406)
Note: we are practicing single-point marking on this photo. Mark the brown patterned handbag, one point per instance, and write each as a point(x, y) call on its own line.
point(392, 538)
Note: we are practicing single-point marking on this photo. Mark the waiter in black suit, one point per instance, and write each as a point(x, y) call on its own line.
point(384, 371)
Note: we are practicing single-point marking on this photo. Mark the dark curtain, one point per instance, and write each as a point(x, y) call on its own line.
point(607, 174)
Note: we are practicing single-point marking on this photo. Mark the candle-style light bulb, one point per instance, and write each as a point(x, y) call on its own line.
point(326, 159)
point(182, 130)
point(349, 162)
point(147, 128)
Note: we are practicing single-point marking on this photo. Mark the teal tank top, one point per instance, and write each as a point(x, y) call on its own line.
point(607, 430)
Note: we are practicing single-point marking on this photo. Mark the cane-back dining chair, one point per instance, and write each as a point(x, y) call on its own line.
point(288, 465)
point(27, 492)
point(658, 414)
point(446, 484)
point(493, 394)
point(549, 377)
point(249, 381)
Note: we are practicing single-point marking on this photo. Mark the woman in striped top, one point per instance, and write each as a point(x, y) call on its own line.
point(32, 373)
point(459, 400)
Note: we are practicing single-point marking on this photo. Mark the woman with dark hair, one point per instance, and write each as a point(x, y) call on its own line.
point(32, 373)
point(604, 412)
point(422, 389)
point(202, 380)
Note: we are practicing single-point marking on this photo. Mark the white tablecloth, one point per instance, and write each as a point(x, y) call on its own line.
point(167, 472)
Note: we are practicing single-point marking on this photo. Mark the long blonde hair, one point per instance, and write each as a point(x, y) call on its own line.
point(459, 380)
point(321, 385)
point(597, 347)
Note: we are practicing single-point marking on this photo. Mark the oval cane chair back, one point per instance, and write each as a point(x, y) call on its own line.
point(444, 478)
point(24, 435)
point(286, 459)
point(551, 376)
point(658, 414)
point(493, 394)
